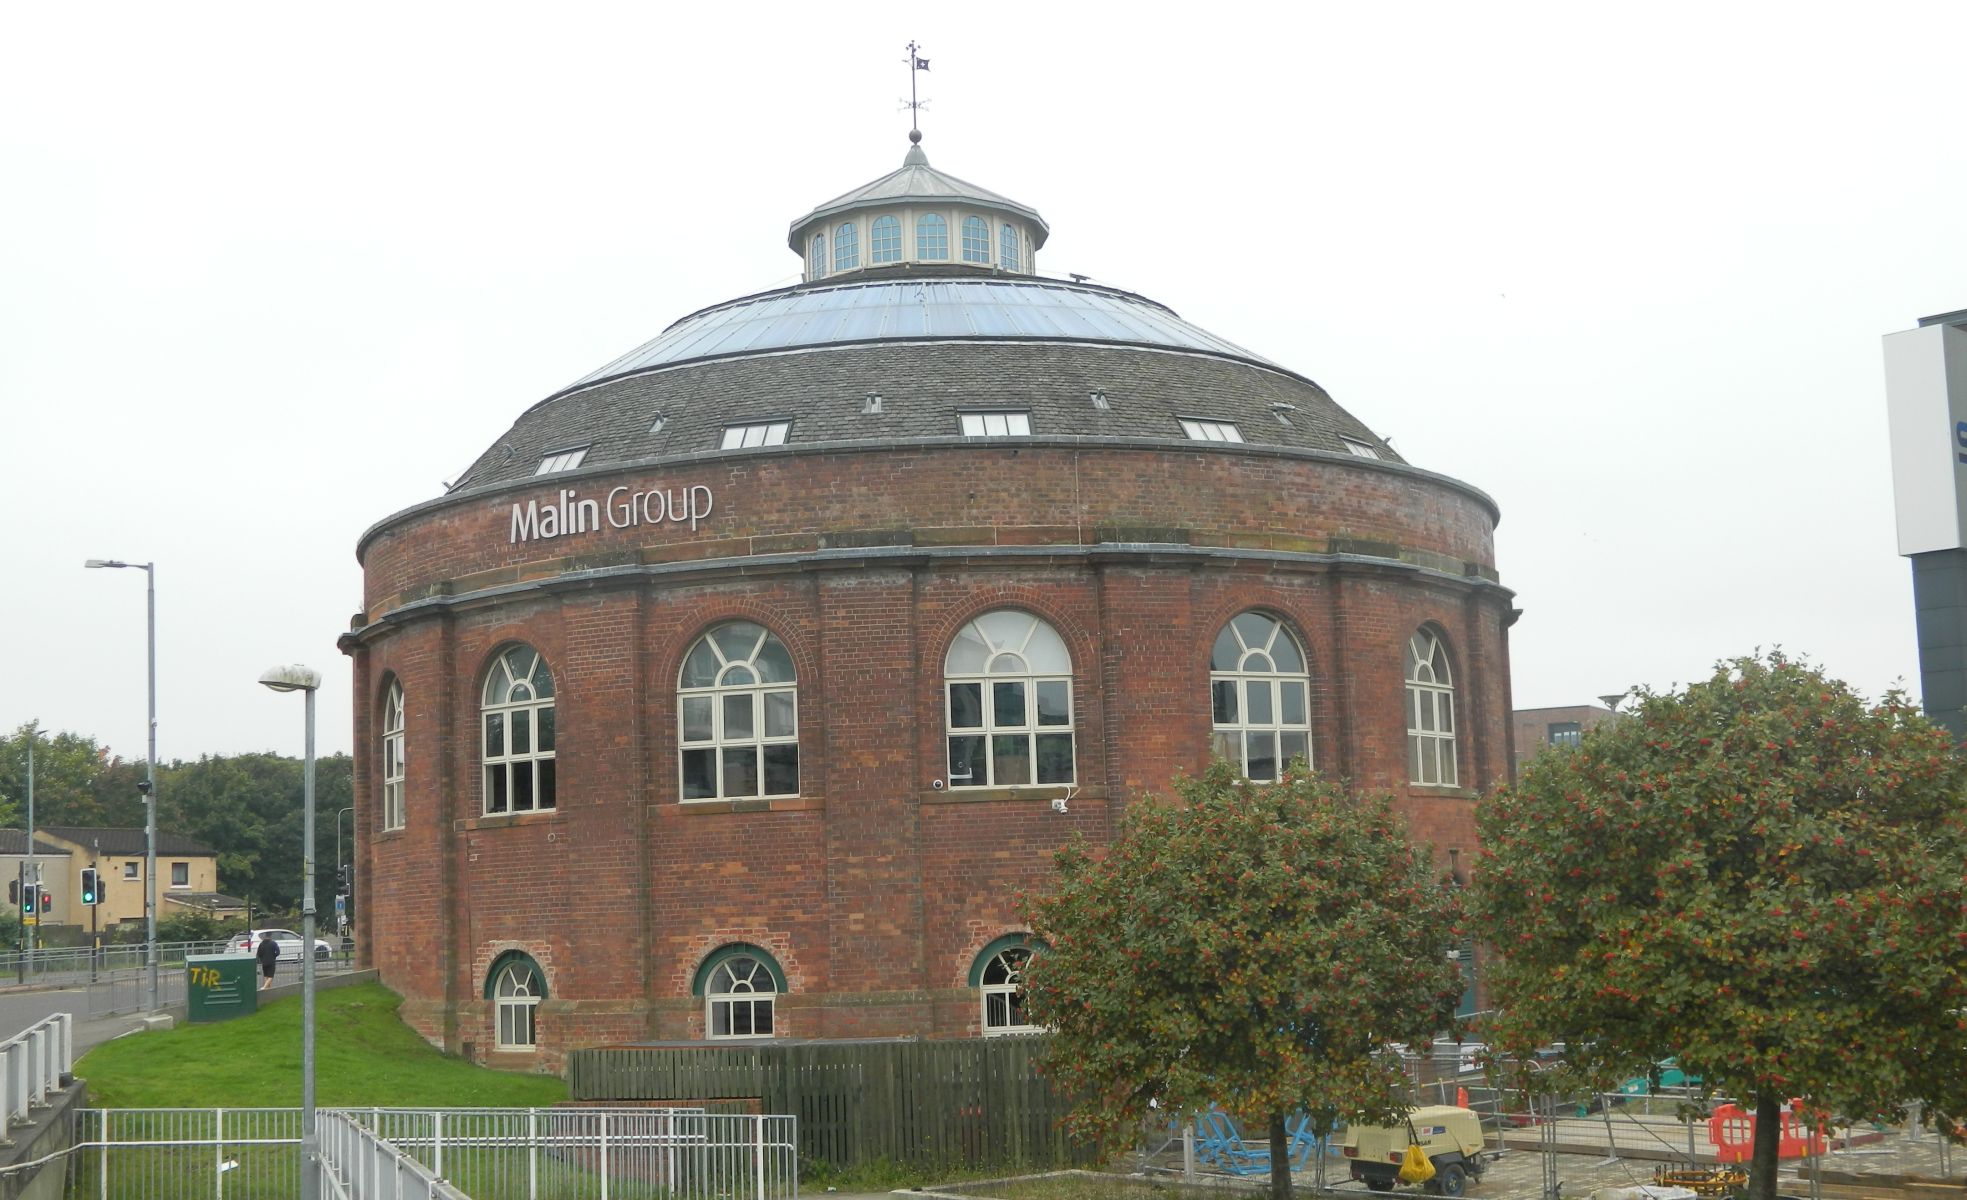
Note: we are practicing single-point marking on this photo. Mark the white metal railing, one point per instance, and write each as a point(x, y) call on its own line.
point(33, 1064)
point(436, 1154)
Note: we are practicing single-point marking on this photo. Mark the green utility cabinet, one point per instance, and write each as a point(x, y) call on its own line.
point(218, 987)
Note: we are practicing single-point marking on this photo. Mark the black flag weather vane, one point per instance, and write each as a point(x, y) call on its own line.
point(916, 64)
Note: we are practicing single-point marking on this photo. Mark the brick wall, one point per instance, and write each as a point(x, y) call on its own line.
point(873, 890)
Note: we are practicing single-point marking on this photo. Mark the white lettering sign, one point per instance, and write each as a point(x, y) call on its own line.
point(625, 508)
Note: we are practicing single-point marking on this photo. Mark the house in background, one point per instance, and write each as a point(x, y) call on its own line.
point(187, 874)
point(1538, 728)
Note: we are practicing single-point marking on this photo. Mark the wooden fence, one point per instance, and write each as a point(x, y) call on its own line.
point(975, 1102)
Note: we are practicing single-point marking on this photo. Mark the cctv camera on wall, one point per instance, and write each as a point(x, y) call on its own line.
point(936, 784)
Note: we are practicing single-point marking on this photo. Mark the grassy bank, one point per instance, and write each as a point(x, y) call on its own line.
point(363, 1055)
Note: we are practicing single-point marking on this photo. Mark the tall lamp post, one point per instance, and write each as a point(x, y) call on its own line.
point(149, 785)
point(297, 678)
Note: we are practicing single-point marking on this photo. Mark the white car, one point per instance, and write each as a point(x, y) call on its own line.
point(288, 941)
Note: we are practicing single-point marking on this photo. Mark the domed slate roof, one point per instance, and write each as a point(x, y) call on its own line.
point(895, 355)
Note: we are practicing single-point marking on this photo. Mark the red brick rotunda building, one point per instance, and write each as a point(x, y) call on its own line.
point(737, 689)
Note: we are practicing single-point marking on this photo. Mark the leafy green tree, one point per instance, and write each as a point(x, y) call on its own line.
point(1256, 946)
point(196, 925)
point(247, 807)
point(1762, 875)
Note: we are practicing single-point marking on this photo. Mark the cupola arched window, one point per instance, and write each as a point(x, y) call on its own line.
point(393, 769)
point(884, 242)
point(516, 988)
point(517, 741)
point(1430, 711)
point(976, 240)
point(816, 261)
point(846, 247)
point(931, 237)
point(740, 985)
point(737, 710)
point(1007, 248)
point(1259, 694)
point(1008, 694)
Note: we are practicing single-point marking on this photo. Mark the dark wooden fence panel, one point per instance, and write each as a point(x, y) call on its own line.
point(974, 1103)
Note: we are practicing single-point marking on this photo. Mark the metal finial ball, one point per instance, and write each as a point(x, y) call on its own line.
point(915, 135)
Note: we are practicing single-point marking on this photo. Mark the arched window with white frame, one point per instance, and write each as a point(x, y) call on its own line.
point(816, 258)
point(1430, 711)
point(1007, 248)
point(740, 985)
point(1259, 696)
point(846, 247)
point(998, 976)
point(884, 241)
point(393, 769)
point(976, 240)
point(1007, 687)
point(737, 712)
point(516, 987)
point(517, 733)
point(931, 237)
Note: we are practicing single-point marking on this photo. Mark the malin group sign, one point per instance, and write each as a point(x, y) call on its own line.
point(218, 987)
point(569, 512)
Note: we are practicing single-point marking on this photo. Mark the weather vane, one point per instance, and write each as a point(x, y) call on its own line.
point(916, 64)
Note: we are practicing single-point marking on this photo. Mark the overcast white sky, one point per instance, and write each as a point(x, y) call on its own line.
point(269, 274)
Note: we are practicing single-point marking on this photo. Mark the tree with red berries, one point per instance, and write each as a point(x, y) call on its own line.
point(1762, 875)
point(1254, 946)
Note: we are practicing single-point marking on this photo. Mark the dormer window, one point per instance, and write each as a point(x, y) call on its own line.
point(884, 243)
point(1007, 248)
point(996, 424)
point(976, 241)
point(846, 247)
point(931, 237)
point(816, 261)
point(1355, 446)
point(1199, 430)
point(764, 433)
point(561, 460)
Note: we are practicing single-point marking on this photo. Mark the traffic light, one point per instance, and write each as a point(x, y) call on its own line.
point(47, 901)
point(28, 895)
point(89, 893)
point(341, 878)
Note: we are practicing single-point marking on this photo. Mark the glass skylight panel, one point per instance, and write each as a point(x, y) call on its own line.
point(764, 433)
point(996, 424)
point(1360, 448)
point(561, 460)
point(1211, 431)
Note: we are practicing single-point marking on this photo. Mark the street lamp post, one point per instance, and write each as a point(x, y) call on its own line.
point(306, 680)
point(149, 785)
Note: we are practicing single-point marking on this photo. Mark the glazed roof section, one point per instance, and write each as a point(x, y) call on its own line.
point(925, 307)
point(823, 394)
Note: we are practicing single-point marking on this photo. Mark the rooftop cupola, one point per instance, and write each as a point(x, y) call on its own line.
point(917, 216)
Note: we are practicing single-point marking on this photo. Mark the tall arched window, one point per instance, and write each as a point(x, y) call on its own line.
point(516, 988)
point(1430, 711)
point(846, 247)
point(1259, 694)
point(998, 976)
point(740, 986)
point(1007, 248)
point(1008, 691)
point(884, 241)
point(392, 756)
point(976, 240)
point(816, 259)
point(931, 237)
point(737, 712)
point(518, 733)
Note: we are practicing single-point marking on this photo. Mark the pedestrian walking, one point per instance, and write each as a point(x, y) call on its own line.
point(268, 954)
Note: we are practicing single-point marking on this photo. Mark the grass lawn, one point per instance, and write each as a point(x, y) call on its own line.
point(363, 1055)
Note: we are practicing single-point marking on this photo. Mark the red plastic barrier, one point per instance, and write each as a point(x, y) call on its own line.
point(1732, 1131)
